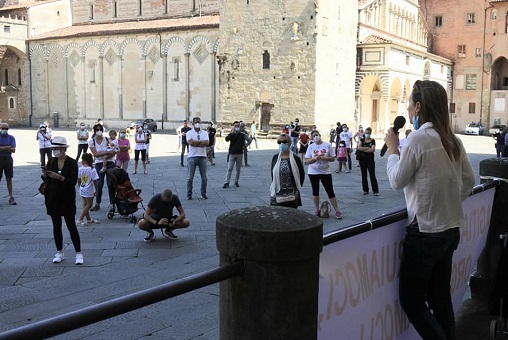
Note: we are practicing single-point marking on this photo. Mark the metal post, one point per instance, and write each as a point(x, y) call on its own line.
point(277, 297)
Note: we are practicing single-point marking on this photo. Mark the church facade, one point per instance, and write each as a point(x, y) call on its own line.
point(224, 60)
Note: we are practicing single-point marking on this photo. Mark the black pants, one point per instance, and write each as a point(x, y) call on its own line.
point(73, 231)
point(45, 153)
point(369, 165)
point(82, 148)
point(184, 145)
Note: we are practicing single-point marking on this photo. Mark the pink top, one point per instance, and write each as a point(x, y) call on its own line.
point(341, 151)
point(123, 156)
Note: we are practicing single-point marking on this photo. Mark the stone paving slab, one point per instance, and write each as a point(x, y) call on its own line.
point(118, 262)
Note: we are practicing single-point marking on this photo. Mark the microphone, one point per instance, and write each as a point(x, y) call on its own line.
point(399, 122)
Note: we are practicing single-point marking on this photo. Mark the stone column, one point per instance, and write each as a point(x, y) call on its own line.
point(483, 279)
point(277, 297)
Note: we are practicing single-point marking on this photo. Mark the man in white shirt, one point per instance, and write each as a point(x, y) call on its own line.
point(197, 139)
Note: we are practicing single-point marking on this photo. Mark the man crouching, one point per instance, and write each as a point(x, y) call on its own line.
point(159, 214)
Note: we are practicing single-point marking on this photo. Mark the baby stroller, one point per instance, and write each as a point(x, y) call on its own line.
point(498, 302)
point(124, 196)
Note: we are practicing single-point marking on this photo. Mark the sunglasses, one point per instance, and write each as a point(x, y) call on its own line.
point(282, 142)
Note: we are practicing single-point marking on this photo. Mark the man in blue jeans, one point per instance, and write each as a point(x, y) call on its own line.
point(197, 139)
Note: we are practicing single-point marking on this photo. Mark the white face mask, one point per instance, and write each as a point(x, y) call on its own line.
point(367, 135)
point(197, 126)
point(99, 133)
point(57, 153)
point(317, 139)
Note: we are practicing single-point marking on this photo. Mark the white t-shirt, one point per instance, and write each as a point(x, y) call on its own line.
point(346, 136)
point(87, 175)
point(82, 134)
point(102, 147)
point(321, 167)
point(197, 151)
point(140, 138)
point(43, 142)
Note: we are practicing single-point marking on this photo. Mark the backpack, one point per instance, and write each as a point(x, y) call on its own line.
point(324, 211)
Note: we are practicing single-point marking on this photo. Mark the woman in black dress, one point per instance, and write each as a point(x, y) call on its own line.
point(61, 175)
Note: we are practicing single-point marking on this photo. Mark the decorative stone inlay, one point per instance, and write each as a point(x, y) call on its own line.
point(110, 56)
point(54, 59)
point(154, 55)
point(74, 58)
point(200, 53)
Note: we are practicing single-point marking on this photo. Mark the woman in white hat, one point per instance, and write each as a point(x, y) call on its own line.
point(61, 175)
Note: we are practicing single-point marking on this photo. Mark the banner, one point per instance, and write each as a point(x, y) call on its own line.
point(358, 277)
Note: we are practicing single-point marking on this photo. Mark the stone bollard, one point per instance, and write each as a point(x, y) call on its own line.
point(482, 281)
point(277, 297)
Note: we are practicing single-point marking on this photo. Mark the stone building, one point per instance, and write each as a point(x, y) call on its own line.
point(474, 38)
point(268, 61)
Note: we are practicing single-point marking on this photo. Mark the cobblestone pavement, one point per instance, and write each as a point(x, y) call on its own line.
point(118, 262)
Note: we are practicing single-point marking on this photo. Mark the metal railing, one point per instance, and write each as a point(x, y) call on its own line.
point(89, 315)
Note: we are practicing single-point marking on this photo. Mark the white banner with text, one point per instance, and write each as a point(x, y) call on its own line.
point(358, 277)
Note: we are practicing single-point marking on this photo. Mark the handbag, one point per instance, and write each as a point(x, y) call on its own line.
point(324, 211)
point(285, 197)
point(42, 188)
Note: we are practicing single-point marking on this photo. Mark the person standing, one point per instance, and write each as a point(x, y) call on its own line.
point(436, 176)
point(357, 136)
point(183, 132)
point(287, 174)
point(140, 147)
point(61, 175)
point(82, 136)
point(304, 143)
point(319, 155)
point(198, 141)
point(44, 138)
point(338, 131)
point(347, 137)
point(211, 143)
point(148, 135)
point(124, 146)
point(7, 148)
point(99, 148)
point(246, 144)
point(87, 182)
point(499, 138)
point(295, 135)
point(253, 134)
point(367, 147)
point(237, 141)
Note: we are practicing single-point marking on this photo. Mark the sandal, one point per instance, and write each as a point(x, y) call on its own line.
point(93, 221)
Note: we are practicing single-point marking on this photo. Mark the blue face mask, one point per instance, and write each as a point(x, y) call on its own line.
point(283, 147)
point(3, 132)
point(416, 122)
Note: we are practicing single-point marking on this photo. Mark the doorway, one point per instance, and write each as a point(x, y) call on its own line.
point(266, 114)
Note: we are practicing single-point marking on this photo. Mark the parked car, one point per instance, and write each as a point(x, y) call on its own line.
point(474, 129)
point(152, 124)
point(495, 129)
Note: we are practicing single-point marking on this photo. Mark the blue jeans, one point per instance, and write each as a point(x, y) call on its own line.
point(294, 145)
point(100, 182)
point(425, 273)
point(192, 163)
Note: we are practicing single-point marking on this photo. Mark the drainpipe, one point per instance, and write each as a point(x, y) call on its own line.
point(31, 90)
point(483, 64)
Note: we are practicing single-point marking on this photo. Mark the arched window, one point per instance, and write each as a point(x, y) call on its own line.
point(11, 103)
point(266, 60)
point(493, 14)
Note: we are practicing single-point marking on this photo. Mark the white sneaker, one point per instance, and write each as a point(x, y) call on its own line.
point(59, 257)
point(79, 258)
point(81, 223)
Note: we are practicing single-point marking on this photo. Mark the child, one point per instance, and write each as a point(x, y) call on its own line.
point(112, 146)
point(342, 157)
point(87, 181)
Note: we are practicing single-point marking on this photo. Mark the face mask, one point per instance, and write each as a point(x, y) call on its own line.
point(3, 132)
point(82, 128)
point(416, 122)
point(283, 147)
point(197, 126)
point(57, 153)
point(296, 123)
point(99, 133)
point(317, 139)
point(237, 129)
point(140, 130)
point(122, 135)
point(367, 135)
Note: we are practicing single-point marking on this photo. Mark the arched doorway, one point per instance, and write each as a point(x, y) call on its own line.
point(371, 102)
